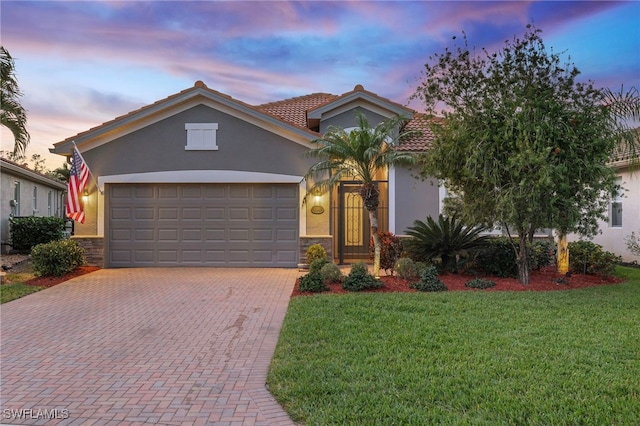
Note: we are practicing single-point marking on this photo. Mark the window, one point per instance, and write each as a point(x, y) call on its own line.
point(201, 136)
point(35, 199)
point(16, 198)
point(49, 203)
point(615, 213)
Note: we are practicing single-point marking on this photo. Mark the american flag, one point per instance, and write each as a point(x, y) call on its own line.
point(77, 181)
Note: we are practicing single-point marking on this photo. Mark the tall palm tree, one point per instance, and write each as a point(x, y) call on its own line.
point(14, 116)
point(359, 155)
point(625, 116)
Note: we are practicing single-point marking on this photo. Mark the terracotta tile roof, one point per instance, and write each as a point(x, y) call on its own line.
point(624, 153)
point(424, 136)
point(294, 110)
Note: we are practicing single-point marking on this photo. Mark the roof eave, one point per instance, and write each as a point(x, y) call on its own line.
point(396, 109)
point(32, 175)
point(66, 147)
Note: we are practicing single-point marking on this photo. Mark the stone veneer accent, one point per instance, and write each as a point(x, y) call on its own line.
point(93, 249)
point(307, 241)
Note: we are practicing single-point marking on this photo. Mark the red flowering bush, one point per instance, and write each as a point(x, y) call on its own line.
point(390, 250)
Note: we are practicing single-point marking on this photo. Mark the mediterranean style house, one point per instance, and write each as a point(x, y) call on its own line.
point(202, 179)
point(26, 193)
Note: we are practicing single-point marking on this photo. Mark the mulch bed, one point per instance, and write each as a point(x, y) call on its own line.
point(543, 280)
point(546, 279)
point(51, 281)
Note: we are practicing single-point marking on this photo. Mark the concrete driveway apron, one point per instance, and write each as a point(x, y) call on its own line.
point(139, 346)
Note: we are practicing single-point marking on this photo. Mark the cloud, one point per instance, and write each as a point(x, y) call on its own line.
point(88, 62)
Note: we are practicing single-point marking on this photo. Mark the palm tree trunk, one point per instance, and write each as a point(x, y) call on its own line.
point(371, 199)
point(373, 220)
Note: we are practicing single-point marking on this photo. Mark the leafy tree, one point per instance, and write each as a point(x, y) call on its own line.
point(61, 173)
point(359, 155)
point(14, 116)
point(523, 143)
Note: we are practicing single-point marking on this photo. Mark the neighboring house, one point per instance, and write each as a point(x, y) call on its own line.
point(26, 193)
point(624, 207)
point(202, 179)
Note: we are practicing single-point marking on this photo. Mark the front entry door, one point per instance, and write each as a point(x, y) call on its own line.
point(353, 224)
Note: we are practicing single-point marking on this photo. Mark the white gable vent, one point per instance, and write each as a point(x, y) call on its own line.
point(201, 136)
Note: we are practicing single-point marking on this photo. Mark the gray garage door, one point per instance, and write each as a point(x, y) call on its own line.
point(243, 225)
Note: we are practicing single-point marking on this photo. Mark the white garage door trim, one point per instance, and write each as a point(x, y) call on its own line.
point(202, 224)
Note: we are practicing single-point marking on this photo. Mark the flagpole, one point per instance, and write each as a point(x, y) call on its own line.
point(95, 181)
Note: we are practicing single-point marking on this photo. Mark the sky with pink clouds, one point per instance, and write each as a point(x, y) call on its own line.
point(81, 63)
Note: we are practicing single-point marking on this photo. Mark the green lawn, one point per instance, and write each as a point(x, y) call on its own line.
point(521, 358)
point(14, 287)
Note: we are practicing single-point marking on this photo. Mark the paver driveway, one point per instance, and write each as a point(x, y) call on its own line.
point(140, 346)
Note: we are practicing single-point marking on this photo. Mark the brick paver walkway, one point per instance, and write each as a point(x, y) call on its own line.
point(145, 346)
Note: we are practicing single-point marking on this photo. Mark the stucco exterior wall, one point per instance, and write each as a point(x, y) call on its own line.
point(348, 119)
point(318, 214)
point(414, 199)
point(613, 238)
point(161, 147)
point(91, 202)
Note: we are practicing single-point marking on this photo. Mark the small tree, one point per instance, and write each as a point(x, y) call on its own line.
point(523, 144)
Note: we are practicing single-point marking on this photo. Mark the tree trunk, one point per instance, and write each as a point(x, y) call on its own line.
point(373, 219)
point(563, 254)
point(523, 260)
point(371, 199)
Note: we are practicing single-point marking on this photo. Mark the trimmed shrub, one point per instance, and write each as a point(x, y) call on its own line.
point(360, 279)
point(497, 258)
point(331, 273)
point(541, 254)
point(406, 268)
point(479, 283)
point(390, 250)
point(27, 232)
point(421, 266)
point(315, 251)
point(317, 264)
point(586, 257)
point(429, 281)
point(312, 282)
point(57, 257)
